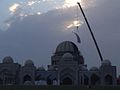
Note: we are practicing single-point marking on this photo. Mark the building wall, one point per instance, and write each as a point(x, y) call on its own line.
point(67, 68)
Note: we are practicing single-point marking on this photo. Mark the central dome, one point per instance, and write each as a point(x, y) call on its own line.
point(67, 46)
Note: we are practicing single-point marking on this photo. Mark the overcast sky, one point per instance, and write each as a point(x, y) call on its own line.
point(32, 29)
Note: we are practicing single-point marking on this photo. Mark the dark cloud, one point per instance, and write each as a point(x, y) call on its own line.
point(37, 36)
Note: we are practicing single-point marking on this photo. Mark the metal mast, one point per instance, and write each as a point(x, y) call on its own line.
point(93, 37)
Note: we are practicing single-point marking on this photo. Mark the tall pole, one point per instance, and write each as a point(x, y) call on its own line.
point(100, 55)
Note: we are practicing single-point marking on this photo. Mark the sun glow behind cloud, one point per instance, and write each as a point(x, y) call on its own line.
point(73, 24)
point(71, 3)
point(42, 6)
point(84, 3)
point(23, 8)
point(14, 7)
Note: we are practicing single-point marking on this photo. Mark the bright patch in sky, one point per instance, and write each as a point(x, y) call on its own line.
point(14, 7)
point(38, 13)
point(30, 3)
point(74, 24)
point(70, 3)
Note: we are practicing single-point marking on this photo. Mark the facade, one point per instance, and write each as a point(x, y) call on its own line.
point(67, 68)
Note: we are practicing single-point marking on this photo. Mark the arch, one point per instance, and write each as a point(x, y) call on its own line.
point(7, 77)
point(86, 80)
point(9, 80)
point(67, 72)
point(38, 77)
point(49, 81)
point(28, 83)
point(5, 71)
point(94, 79)
point(108, 80)
point(27, 78)
point(67, 76)
point(67, 81)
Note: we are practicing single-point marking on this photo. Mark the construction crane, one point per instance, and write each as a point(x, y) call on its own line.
point(93, 37)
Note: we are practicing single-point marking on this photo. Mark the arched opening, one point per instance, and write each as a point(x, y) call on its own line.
point(49, 81)
point(67, 81)
point(108, 80)
point(27, 78)
point(1, 81)
point(94, 79)
point(8, 77)
point(9, 80)
point(86, 80)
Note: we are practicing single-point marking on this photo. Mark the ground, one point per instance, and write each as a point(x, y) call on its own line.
point(59, 88)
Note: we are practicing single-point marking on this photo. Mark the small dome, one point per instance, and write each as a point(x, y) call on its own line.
point(41, 69)
point(84, 68)
point(67, 46)
point(67, 56)
point(8, 59)
point(106, 63)
point(29, 63)
point(94, 69)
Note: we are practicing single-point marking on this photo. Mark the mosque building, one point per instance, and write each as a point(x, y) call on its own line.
point(67, 68)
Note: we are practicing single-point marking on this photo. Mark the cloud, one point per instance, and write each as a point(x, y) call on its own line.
point(74, 24)
point(35, 35)
point(84, 3)
point(22, 9)
point(14, 7)
point(31, 3)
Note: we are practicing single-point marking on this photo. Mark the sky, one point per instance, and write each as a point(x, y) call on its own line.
point(32, 29)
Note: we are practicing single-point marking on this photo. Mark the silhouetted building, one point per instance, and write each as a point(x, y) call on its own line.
point(118, 80)
point(67, 68)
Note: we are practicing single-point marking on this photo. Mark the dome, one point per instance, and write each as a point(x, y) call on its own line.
point(84, 68)
point(67, 56)
point(106, 63)
point(67, 46)
point(94, 69)
point(29, 63)
point(41, 69)
point(8, 59)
